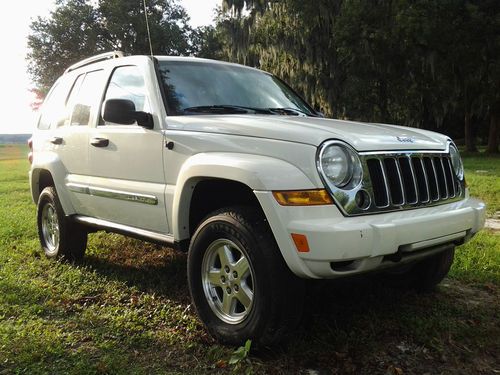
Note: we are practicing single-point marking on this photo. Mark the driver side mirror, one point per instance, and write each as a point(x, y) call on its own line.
point(122, 111)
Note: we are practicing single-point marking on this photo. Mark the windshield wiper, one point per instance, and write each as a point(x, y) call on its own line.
point(227, 109)
point(291, 111)
point(239, 109)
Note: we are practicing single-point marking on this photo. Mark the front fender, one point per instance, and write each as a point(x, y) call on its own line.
point(258, 172)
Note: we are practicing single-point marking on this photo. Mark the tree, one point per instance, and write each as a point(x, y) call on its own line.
point(81, 28)
point(72, 31)
point(421, 63)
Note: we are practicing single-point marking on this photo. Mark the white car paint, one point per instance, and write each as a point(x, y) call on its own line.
point(263, 152)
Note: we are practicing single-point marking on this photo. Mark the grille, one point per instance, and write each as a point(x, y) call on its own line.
point(411, 179)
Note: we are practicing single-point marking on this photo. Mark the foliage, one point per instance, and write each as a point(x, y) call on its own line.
point(77, 29)
point(430, 64)
point(240, 356)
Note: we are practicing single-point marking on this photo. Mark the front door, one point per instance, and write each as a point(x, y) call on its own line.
point(126, 180)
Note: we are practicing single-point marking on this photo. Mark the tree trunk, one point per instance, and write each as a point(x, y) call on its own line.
point(493, 133)
point(469, 139)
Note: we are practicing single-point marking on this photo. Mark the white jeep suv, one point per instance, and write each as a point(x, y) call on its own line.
point(230, 164)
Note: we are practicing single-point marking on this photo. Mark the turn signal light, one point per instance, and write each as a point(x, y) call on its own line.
point(300, 241)
point(303, 197)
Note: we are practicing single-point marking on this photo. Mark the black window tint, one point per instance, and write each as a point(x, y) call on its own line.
point(87, 98)
point(53, 106)
point(127, 82)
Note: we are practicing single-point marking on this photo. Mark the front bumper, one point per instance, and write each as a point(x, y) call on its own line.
point(341, 246)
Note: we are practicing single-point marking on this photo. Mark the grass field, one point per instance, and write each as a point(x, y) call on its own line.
point(125, 309)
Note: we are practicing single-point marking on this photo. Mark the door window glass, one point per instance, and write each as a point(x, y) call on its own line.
point(87, 99)
point(127, 82)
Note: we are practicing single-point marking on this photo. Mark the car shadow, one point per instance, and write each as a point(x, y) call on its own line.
point(344, 320)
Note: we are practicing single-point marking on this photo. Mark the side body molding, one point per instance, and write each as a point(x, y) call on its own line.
point(258, 172)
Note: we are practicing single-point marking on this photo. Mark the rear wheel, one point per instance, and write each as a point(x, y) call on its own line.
point(424, 275)
point(239, 282)
point(59, 236)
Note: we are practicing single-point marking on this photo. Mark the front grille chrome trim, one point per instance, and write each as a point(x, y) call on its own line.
point(419, 185)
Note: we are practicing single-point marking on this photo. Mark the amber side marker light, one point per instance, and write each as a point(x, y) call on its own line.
point(303, 197)
point(300, 241)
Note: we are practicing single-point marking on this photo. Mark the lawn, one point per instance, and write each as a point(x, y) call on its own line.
point(125, 309)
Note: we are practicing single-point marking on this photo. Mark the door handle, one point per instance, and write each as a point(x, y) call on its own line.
point(56, 140)
point(99, 142)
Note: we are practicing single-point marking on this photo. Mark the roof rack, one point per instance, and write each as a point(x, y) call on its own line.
point(95, 59)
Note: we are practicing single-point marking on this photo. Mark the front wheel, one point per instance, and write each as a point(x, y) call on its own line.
point(59, 236)
point(239, 282)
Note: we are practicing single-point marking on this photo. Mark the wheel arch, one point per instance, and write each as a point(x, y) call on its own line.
point(227, 179)
point(40, 178)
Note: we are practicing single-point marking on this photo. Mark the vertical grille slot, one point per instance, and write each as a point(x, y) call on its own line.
point(395, 182)
point(409, 183)
point(448, 172)
point(403, 180)
point(421, 176)
point(431, 179)
point(438, 167)
point(380, 194)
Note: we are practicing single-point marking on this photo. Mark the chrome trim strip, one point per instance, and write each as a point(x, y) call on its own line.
point(426, 181)
point(386, 182)
point(414, 177)
point(444, 178)
point(121, 228)
point(113, 194)
point(436, 179)
point(78, 188)
point(419, 151)
point(401, 184)
point(345, 199)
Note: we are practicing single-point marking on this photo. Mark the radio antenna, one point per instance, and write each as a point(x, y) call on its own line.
point(147, 27)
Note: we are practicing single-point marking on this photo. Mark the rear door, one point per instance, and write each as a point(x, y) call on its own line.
point(126, 178)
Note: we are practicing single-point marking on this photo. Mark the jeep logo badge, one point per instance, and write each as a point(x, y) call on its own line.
point(406, 139)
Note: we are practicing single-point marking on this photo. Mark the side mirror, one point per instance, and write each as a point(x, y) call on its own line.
point(122, 111)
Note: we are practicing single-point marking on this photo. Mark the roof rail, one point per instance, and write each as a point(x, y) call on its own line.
point(95, 59)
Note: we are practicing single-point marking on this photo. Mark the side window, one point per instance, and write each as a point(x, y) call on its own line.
point(53, 106)
point(87, 99)
point(127, 82)
point(71, 100)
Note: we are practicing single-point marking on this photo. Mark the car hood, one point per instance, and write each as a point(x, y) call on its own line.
point(314, 131)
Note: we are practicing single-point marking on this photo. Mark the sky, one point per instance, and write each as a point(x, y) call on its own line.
point(15, 18)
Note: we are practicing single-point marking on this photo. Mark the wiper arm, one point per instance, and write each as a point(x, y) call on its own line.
point(291, 111)
point(226, 109)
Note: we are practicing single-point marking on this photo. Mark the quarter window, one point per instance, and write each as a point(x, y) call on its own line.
point(53, 106)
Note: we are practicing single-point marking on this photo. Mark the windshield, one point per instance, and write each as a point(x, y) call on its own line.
point(202, 87)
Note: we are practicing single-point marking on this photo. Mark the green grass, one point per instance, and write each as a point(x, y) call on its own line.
point(125, 309)
point(482, 173)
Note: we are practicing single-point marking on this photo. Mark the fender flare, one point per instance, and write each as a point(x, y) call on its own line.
point(53, 165)
point(259, 173)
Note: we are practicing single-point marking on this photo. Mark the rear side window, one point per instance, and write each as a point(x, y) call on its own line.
point(127, 82)
point(53, 109)
point(84, 103)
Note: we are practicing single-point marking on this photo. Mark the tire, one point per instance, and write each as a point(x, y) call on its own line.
point(239, 283)
point(59, 236)
point(423, 276)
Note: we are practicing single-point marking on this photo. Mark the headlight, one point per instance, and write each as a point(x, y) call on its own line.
point(456, 162)
point(340, 165)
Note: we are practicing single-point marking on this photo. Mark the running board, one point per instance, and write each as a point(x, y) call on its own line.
point(141, 234)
